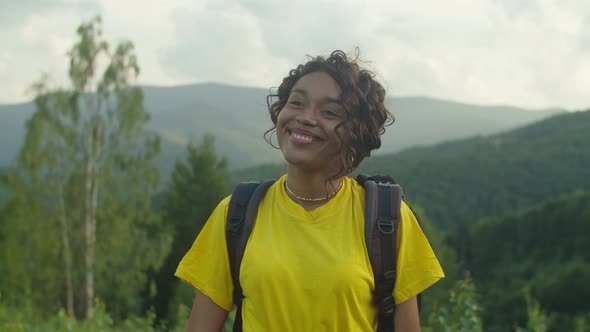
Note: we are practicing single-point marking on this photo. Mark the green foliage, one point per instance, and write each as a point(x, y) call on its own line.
point(30, 266)
point(460, 313)
point(229, 322)
point(81, 196)
point(582, 323)
point(26, 319)
point(544, 249)
point(537, 319)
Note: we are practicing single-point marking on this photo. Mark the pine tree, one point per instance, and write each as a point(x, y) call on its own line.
point(197, 185)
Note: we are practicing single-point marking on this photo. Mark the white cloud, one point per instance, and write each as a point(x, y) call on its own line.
point(4, 60)
point(222, 43)
point(33, 48)
point(531, 53)
point(149, 26)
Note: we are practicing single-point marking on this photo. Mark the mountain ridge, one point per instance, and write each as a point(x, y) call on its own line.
point(237, 117)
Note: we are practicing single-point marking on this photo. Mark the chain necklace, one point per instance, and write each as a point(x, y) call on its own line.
point(319, 199)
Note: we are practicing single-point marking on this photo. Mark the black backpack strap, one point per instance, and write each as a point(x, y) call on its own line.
point(382, 214)
point(241, 215)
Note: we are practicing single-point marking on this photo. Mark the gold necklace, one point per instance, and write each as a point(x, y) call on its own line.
point(319, 199)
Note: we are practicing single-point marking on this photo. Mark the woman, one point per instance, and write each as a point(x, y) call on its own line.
point(306, 266)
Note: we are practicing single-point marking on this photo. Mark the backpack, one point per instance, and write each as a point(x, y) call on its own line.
point(383, 198)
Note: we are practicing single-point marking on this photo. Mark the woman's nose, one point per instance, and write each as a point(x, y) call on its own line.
point(307, 117)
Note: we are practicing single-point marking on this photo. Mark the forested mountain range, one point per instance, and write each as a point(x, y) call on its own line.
point(237, 117)
point(544, 250)
point(460, 181)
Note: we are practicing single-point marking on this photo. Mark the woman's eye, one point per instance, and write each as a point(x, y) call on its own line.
point(330, 113)
point(296, 103)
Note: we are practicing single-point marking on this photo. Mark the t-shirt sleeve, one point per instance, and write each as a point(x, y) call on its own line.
point(417, 265)
point(206, 265)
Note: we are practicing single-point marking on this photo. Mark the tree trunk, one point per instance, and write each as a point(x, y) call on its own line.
point(92, 181)
point(67, 254)
point(89, 228)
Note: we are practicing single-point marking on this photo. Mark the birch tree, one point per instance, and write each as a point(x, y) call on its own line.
point(88, 148)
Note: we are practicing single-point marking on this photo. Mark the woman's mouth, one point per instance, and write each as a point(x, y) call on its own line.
point(302, 137)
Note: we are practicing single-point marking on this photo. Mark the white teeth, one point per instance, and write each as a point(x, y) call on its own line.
point(302, 137)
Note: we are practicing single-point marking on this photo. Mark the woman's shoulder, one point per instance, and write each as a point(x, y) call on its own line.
point(276, 183)
point(225, 201)
point(222, 207)
point(354, 185)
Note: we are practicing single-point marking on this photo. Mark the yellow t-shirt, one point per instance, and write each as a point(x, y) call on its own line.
point(307, 270)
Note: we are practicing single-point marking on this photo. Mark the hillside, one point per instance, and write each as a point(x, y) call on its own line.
point(545, 249)
point(237, 117)
point(461, 181)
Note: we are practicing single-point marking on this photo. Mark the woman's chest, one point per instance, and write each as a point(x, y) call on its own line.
point(306, 258)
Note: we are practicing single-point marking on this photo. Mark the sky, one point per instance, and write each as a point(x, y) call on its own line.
point(528, 53)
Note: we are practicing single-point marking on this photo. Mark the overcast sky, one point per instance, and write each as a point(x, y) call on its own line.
point(530, 53)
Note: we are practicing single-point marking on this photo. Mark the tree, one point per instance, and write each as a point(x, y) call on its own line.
point(91, 161)
point(461, 313)
point(197, 185)
point(538, 320)
point(48, 158)
point(28, 258)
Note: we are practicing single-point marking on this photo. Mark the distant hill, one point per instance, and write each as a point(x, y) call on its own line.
point(461, 181)
point(12, 130)
point(545, 249)
point(238, 118)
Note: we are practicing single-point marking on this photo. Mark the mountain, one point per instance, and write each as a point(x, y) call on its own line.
point(238, 118)
point(544, 249)
point(12, 130)
point(461, 181)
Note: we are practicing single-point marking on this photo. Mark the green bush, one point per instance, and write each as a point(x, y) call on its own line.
point(460, 314)
point(26, 319)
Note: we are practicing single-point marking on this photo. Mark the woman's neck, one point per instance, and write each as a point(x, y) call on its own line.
point(310, 189)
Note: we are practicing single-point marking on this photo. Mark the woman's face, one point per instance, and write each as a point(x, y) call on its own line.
point(306, 124)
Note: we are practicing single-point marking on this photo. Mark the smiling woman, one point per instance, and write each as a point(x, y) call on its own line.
point(307, 125)
point(307, 265)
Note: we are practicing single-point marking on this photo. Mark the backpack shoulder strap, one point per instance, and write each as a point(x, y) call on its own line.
point(241, 215)
point(383, 198)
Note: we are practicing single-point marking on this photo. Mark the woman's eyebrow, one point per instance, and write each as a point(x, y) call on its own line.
point(301, 91)
point(330, 100)
point(327, 100)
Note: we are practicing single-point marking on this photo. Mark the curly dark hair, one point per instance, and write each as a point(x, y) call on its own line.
point(362, 99)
